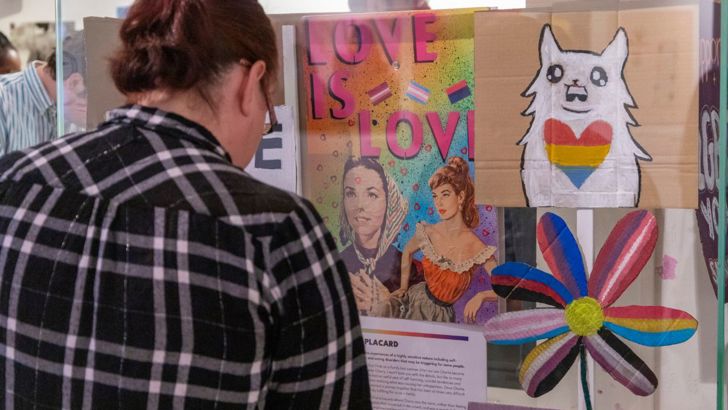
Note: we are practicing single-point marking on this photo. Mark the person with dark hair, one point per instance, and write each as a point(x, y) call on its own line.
point(143, 268)
point(371, 218)
point(451, 252)
point(28, 98)
point(75, 96)
point(9, 57)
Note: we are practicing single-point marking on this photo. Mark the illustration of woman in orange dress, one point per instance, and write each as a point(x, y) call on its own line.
point(451, 253)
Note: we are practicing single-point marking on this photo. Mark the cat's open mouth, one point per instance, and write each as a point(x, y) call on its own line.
point(576, 93)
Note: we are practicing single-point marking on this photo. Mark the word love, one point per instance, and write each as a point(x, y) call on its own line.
point(353, 39)
point(349, 42)
point(442, 133)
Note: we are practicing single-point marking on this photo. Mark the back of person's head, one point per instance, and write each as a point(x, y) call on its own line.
point(5, 42)
point(74, 56)
point(9, 59)
point(175, 45)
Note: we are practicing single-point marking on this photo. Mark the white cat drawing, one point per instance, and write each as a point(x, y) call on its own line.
point(579, 151)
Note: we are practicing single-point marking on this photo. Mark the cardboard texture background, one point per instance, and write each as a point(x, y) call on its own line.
point(102, 39)
point(661, 73)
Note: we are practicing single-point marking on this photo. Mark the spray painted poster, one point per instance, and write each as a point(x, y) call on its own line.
point(389, 162)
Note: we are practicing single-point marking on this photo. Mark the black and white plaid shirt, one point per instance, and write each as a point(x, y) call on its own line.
point(141, 269)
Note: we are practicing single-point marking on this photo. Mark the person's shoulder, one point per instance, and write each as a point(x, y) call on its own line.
point(470, 240)
point(8, 162)
point(264, 210)
point(423, 227)
point(255, 196)
point(13, 86)
point(10, 80)
point(35, 164)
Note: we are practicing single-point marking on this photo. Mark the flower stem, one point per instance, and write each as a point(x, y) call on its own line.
point(584, 381)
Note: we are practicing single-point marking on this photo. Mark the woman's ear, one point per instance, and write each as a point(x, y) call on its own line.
point(250, 87)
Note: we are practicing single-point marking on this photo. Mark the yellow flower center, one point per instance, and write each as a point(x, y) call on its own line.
point(584, 316)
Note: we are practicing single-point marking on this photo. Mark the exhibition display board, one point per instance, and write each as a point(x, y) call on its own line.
point(528, 202)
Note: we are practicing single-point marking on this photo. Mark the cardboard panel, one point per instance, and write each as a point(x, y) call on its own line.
point(659, 54)
point(102, 39)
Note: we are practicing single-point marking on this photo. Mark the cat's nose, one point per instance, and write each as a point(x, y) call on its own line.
point(575, 82)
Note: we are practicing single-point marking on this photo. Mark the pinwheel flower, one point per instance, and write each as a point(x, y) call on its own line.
point(583, 318)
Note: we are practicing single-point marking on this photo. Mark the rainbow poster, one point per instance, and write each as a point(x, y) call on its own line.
point(389, 161)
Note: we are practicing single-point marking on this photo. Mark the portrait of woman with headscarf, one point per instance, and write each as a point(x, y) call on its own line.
point(371, 218)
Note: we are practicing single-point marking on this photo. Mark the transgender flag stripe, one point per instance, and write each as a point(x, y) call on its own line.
point(418, 92)
point(379, 93)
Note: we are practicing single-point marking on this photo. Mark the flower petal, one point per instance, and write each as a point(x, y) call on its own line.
point(562, 253)
point(624, 254)
point(514, 280)
point(515, 328)
point(650, 325)
point(547, 364)
point(617, 359)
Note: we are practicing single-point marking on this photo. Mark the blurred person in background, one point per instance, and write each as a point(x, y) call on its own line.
point(365, 6)
point(28, 98)
point(142, 268)
point(9, 57)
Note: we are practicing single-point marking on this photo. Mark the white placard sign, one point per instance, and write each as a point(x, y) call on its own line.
point(423, 365)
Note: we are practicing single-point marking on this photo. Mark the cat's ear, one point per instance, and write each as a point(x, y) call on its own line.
point(548, 45)
point(618, 49)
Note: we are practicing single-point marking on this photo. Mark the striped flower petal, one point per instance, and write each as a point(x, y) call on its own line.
point(562, 253)
point(650, 325)
point(547, 364)
point(514, 280)
point(624, 254)
point(617, 359)
point(515, 328)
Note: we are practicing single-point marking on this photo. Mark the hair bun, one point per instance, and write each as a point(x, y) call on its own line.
point(186, 44)
point(459, 165)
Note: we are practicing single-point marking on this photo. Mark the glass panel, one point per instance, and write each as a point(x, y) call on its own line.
point(73, 102)
point(723, 245)
point(676, 274)
point(519, 245)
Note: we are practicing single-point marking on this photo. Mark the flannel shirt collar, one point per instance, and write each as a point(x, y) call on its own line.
point(167, 123)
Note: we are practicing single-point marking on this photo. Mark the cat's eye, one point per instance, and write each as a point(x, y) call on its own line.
point(555, 73)
point(599, 77)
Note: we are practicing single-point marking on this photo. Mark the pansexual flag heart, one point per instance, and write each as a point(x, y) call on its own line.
point(579, 157)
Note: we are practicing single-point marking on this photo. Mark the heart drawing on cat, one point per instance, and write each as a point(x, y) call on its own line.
point(577, 157)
